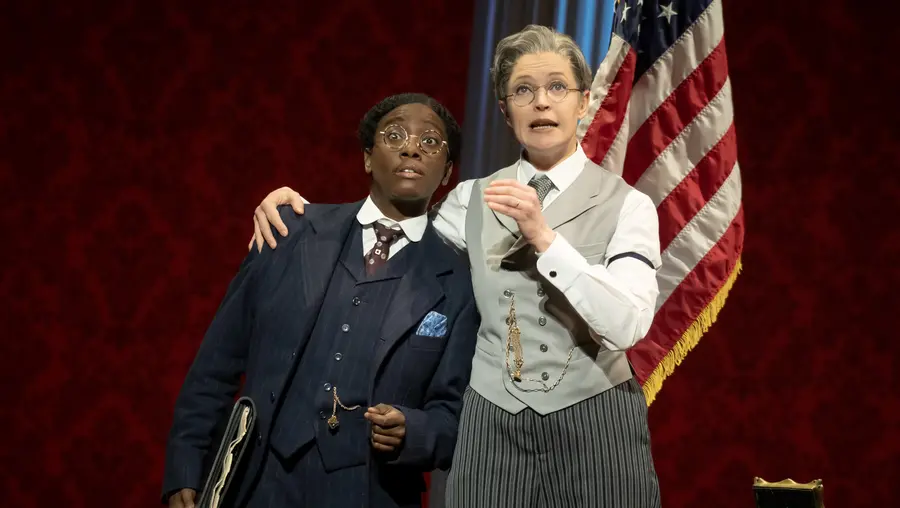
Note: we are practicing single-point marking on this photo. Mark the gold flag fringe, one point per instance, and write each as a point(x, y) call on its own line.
point(690, 339)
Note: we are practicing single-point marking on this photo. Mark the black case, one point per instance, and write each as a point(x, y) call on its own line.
point(230, 434)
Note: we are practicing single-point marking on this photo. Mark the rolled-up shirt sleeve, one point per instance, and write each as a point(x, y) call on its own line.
point(616, 298)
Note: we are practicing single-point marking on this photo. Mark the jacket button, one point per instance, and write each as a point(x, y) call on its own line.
point(544, 348)
point(322, 415)
point(507, 293)
point(345, 328)
point(542, 321)
point(337, 357)
point(271, 396)
point(553, 273)
point(258, 438)
point(327, 387)
point(355, 300)
point(545, 376)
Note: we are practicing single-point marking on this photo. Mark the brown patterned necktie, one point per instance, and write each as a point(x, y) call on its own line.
point(384, 238)
point(543, 185)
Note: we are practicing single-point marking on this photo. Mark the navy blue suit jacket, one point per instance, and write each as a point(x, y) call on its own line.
point(266, 318)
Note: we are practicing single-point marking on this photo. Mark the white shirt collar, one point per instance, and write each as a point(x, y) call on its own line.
point(562, 175)
point(413, 228)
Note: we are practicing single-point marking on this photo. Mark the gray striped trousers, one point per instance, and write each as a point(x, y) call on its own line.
point(593, 454)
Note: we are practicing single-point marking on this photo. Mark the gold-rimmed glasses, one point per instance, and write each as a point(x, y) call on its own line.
point(395, 138)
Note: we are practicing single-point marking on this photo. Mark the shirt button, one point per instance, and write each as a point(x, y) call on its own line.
point(542, 321)
point(327, 387)
point(545, 376)
point(544, 348)
point(553, 273)
point(355, 300)
point(337, 357)
point(271, 396)
point(507, 293)
point(345, 328)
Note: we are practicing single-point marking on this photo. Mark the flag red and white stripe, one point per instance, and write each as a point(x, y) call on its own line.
point(670, 134)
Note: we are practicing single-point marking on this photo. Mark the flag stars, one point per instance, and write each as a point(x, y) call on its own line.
point(625, 12)
point(668, 11)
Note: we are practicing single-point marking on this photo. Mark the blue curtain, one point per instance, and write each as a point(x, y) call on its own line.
point(488, 144)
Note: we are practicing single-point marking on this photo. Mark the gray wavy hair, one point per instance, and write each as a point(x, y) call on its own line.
point(536, 39)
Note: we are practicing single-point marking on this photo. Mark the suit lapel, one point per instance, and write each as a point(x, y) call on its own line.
point(417, 292)
point(577, 199)
point(352, 258)
point(320, 251)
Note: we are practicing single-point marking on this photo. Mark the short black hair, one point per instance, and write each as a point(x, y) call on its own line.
point(369, 123)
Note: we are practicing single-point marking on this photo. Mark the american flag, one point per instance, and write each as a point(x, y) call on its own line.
point(661, 116)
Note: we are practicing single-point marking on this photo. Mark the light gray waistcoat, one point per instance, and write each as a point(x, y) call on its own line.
point(585, 214)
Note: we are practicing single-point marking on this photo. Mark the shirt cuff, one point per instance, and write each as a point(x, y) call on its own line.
point(561, 264)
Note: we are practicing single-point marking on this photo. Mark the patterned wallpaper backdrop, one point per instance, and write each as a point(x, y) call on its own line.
point(137, 136)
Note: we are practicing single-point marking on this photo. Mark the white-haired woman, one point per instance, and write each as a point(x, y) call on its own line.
point(564, 258)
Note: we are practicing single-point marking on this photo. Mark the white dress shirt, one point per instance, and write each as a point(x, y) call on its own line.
point(413, 228)
point(617, 300)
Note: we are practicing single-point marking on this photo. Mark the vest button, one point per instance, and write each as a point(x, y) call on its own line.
point(345, 328)
point(507, 293)
point(545, 376)
point(327, 387)
point(355, 301)
point(544, 348)
point(542, 321)
point(540, 291)
point(337, 357)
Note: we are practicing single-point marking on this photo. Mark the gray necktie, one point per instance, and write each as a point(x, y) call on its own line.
point(543, 185)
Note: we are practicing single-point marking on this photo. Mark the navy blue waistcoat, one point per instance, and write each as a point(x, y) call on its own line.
point(339, 356)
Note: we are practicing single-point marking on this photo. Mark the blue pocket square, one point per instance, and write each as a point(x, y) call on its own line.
point(434, 325)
